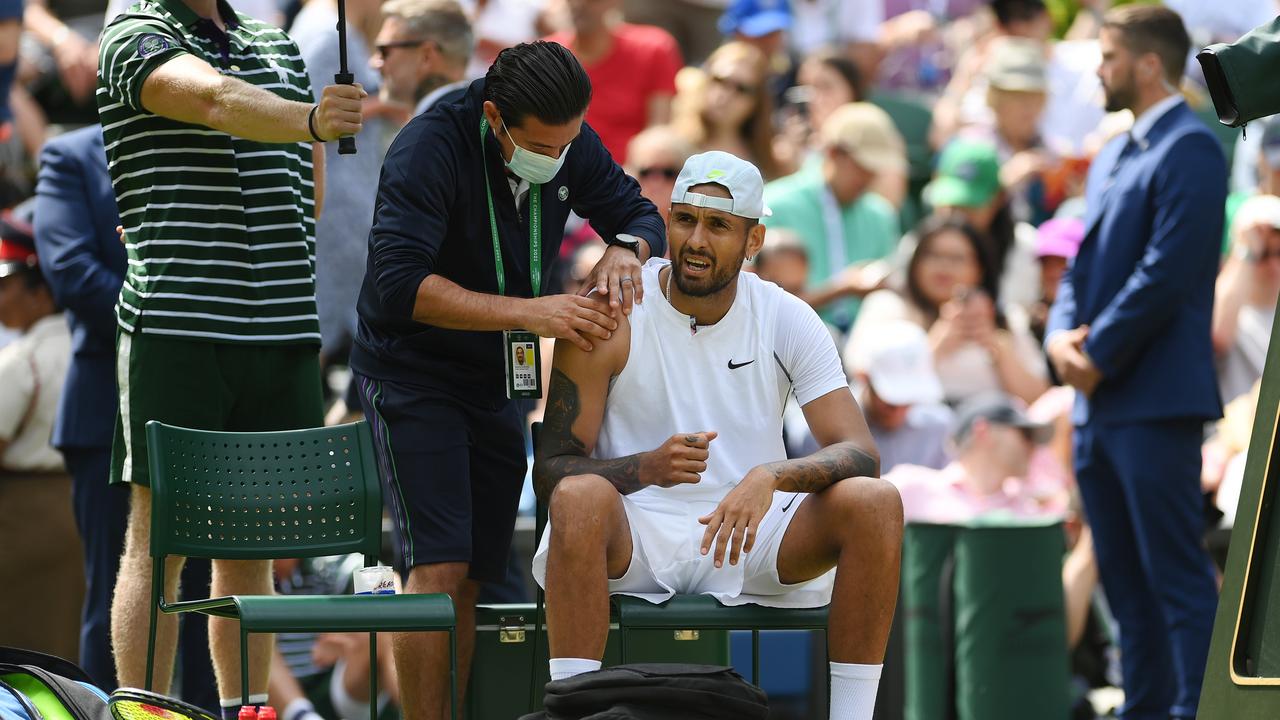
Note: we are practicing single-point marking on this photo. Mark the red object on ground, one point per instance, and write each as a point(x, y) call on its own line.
point(266, 712)
point(248, 712)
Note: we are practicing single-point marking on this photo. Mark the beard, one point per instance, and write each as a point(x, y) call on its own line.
point(430, 83)
point(1121, 96)
point(716, 279)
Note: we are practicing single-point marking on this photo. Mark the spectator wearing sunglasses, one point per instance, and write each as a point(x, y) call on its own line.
point(1247, 288)
point(726, 106)
point(654, 157)
point(624, 101)
point(422, 53)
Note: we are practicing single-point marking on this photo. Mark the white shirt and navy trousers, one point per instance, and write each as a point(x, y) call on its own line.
point(450, 445)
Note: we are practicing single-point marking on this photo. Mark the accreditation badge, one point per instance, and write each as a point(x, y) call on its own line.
point(524, 364)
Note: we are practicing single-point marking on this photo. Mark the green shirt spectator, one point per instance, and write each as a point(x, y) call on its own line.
point(842, 223)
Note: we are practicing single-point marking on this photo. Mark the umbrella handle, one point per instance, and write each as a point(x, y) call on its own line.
point(346, 143)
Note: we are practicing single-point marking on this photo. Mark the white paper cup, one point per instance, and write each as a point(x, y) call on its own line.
point(376, 580)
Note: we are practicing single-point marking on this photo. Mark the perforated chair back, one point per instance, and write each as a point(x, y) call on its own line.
point(263, 495)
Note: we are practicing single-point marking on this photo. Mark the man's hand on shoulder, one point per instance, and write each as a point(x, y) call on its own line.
point(582, 321)
point(617, 278)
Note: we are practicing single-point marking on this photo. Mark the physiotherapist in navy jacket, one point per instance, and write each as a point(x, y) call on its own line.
point(83, 260)
point(1130, 330)
point(470, 212)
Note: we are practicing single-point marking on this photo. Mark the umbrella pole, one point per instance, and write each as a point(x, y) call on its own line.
point(346, 144)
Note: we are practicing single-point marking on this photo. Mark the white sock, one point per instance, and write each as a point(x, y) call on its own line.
point(853, 690)
point(231, 706)
point(345, 705)
point(300, 709)
point(562, 668)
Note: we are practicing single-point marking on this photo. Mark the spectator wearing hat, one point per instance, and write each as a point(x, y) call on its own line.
point(1247, 288)
point(623, 101)
point(901, 396)
point(1017, 92)
point(842, 221)
point(963, 102)
point(994, 441)
point(35, 489)
point(1057, 241)
point(763, 23)
point(967, 182)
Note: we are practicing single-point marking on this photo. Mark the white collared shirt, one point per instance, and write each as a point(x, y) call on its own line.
point(1142, 125)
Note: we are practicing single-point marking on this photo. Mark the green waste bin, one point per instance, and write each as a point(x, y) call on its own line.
point(985, 622)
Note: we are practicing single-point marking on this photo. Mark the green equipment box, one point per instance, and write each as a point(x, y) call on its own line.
point(505, 678)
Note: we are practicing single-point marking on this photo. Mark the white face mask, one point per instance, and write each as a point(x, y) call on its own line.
point(534, 167)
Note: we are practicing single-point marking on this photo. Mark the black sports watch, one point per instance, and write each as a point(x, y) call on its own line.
point(630, 242)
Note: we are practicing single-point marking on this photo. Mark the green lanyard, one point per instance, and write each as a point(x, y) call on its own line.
point(535, 227)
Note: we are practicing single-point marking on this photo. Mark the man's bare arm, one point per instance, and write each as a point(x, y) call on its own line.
point(561, 453)
point(848, 449)
point(190, 90)
point(575, 411)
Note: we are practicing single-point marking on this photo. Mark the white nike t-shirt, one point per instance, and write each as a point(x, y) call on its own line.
point(732, 377)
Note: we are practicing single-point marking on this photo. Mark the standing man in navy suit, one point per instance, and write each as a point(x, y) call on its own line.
point(83, 261)
point(1130, 331)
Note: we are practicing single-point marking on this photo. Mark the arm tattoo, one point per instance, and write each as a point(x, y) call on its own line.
point(559, 453)
point(827, 466)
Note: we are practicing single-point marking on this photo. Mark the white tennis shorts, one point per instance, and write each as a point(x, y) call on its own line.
point(666, 557)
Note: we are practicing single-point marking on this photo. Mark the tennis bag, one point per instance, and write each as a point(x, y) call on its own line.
point(35, 686)
point(654, 691)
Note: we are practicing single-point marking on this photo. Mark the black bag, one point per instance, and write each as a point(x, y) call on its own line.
point(33, 683)
point(1242, 76)
point(654, 691)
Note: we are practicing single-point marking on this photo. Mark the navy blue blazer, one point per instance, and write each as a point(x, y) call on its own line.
point(84, 261)
point(1144, 276)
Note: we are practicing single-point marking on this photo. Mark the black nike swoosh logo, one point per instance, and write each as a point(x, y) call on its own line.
point(790, 502)
point(734, 366)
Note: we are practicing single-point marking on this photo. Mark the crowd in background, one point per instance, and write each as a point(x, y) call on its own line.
point(926, 162)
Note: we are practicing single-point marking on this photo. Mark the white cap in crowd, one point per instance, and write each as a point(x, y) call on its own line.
point(739, 177)
point(896, 358)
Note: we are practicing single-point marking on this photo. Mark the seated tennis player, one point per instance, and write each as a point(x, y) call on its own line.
point(661, 453)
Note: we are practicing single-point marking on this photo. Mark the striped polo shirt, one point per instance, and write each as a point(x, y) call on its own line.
point(220, 231)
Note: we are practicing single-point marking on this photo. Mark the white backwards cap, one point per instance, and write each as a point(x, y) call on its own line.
point(736, 175)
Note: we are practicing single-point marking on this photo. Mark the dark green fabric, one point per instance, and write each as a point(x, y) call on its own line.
point(1010, 624)
point(345, 613)
point(211, 386)
point(997, 633)
point(1242, 75)
point(925, 548)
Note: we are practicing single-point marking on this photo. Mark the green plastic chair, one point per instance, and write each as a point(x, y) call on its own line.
point(268, 495)
point(686, 612)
